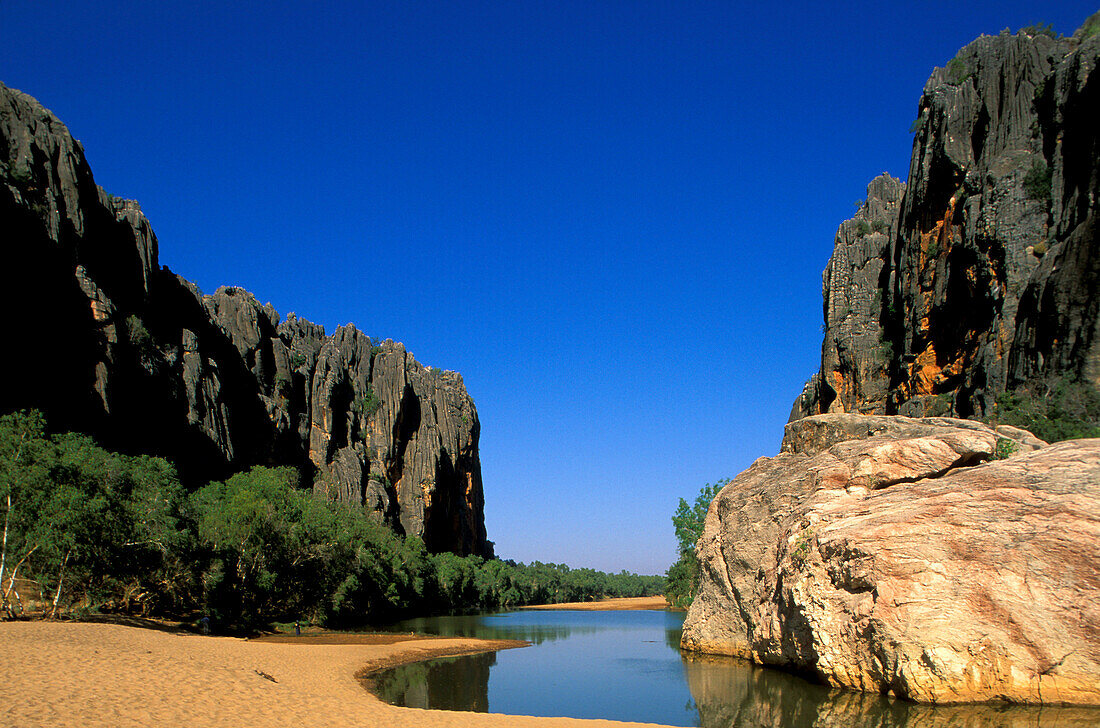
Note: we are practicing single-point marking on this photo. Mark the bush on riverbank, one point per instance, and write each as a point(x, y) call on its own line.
point(96, 530)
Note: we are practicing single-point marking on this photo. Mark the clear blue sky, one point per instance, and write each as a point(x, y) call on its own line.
point(611, 217)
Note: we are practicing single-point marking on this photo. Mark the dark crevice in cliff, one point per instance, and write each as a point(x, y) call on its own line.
point(967, 460)
point(977, 137)
point(442, 517)
point(405, 428)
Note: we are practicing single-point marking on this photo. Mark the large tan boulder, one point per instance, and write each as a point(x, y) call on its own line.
point(890, 554)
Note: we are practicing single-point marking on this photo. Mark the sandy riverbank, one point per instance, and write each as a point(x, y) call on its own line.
point(609, 605)
point(92, 675)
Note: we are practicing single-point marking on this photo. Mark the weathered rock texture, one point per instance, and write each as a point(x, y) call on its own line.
point(891, 554)
point(982, 273)
point(104, 340)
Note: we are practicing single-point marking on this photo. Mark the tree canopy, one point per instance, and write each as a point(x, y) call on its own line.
point(683, 576)
point(93, 530)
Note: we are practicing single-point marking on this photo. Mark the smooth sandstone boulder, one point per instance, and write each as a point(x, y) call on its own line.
point(890, 554)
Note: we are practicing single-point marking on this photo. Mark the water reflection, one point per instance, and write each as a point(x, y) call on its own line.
point(629, 667)
point(523, 625)
point(731, 693)
point(454, 683)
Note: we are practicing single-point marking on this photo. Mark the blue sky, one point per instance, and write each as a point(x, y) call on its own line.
point(611, 217)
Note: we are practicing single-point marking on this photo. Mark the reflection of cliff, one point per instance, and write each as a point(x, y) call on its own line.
point(732, 693)
point(451, 683)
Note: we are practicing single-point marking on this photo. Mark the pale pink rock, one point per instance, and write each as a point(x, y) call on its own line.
point(907, 562)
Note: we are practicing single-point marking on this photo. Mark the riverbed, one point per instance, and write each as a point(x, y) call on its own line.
point(627, 666)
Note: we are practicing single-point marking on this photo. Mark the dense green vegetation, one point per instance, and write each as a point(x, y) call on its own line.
point(957, 71)
point(1037, 181)
point(87, 530)
point(1090, 27)
point(682, 579)
point(1051, 409)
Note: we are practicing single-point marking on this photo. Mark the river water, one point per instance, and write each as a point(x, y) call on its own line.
point(627, 666)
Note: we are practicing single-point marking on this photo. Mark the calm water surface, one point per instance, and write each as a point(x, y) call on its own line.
point(627, 666)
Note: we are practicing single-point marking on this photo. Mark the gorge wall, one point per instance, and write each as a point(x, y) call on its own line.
point(982, 273)
point(104, 340)
point(889, 548)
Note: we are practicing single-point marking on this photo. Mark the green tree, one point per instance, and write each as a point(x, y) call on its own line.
point(682, 578)
point(93, 528)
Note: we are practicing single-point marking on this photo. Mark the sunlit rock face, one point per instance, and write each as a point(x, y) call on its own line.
point(889, 554)
point(104, 340)
point(981, 273)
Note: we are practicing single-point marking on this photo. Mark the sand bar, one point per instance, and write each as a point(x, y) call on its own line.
point(91, 675)
point(610, 605)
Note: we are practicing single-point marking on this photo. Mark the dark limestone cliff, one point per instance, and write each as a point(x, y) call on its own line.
point(104, 340)
point(982, 273)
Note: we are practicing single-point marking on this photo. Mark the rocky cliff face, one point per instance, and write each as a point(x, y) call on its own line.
point(890, 554)
point(105, 340)
point(983, 272)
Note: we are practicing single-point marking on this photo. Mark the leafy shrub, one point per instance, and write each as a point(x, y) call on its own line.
point(916, 125)
point(1090, 27)
point(863, 228)
point(1004, 448)
point(1039, 249)
point(1052, 409)
point(21, 174)
point(880, 226)
point(137, 333)
point(1040, 29)
point(957, 71)
point(297, 360)
point(1037, 181)
point(800, 549)
point(939, 406)
point(368, 404)
point(933, 250)
point(91, 527)
point(885, 352)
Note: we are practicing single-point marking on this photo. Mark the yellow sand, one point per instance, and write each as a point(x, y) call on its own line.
point(89, 675)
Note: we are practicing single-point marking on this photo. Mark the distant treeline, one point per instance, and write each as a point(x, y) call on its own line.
point(85, 530)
